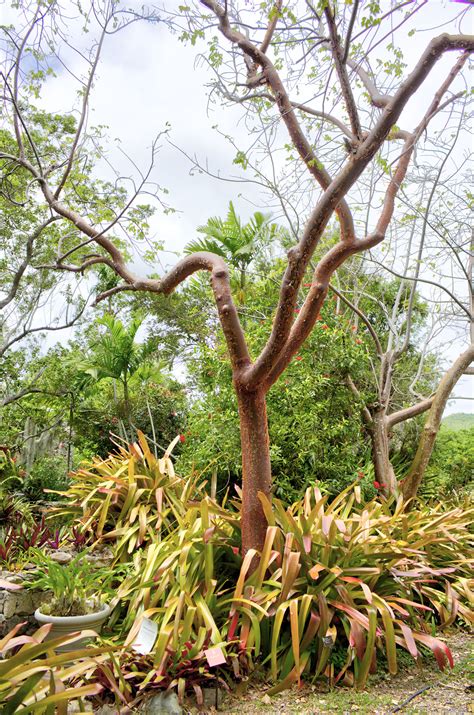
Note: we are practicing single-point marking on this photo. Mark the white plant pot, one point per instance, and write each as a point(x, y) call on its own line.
point(64, 625)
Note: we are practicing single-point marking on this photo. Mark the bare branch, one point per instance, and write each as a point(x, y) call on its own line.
point(275, 13)
point(287, 113)
point(287, 336)
point(365, 412)
point(361, 315)
point(347, 43)
point(378, 99)
point(26, 261)
point(296, 105)
point(28, 330)
point(228, 315)
point(82, 119)
point(337, 54)
point(408, 412)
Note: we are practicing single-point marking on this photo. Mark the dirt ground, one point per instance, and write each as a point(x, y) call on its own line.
point(449, 692)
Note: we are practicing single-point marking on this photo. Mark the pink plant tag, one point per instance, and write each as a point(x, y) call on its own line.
point(214, 657)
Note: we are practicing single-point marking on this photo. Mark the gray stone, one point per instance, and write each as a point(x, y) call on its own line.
point(166, 703)
point(212, 697)
point(18, 606)
point(61, 557)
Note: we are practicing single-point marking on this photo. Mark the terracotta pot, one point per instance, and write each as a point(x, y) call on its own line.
point(63, 625)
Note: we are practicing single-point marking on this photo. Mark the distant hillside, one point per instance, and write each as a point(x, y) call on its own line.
point(458, 421)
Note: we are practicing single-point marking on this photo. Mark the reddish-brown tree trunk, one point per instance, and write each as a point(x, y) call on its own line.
point(383, 469)
point(256, 467)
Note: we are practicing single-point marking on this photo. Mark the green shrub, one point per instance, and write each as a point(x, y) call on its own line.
point(451, 469)
point(162, 413)
point(47, 473)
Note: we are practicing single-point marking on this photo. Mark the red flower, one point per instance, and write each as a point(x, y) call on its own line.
point(353, 328)
point(307, 285)
point(298, 357)
point(324, 326)
point(182, 438)
point(297, 310)
point(360, 474)
point(359, 341)
point(377, 485)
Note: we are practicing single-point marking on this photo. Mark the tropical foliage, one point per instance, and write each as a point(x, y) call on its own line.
point(340, 581)
point(450, 470)
point(34, 679)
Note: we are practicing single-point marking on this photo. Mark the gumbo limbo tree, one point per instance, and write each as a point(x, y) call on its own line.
point(347, 58)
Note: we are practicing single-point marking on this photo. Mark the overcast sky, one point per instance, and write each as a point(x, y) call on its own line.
point(147, 78)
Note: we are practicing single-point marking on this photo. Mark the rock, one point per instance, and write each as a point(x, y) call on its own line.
point(15, 578)
point(166, 703)
point(266, 700)
point(61, 557)
point(212, 697)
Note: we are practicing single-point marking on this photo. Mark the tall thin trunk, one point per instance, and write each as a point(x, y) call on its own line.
point(126, 402)
point(256, 467)
point(430, 431)
point(152, 423)
point(69, 440)
point(383, 469)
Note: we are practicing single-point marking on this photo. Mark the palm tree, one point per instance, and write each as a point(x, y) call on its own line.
point(239, 244)
point(117, 355)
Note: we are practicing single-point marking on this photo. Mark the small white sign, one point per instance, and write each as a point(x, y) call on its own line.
point(146, 637)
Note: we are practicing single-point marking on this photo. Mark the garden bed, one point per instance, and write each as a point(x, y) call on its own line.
point(449, 692)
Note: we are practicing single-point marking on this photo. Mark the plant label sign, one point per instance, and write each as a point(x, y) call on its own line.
point(215, 657)
point(146, 637)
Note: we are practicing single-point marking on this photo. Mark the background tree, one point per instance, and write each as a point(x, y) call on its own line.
point(435, 227)
point(118, 356)
point(238, 244)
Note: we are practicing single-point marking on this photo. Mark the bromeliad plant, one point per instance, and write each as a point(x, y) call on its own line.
point(129, 499)
point(17, 540)
point(338, 575)
point(334, 577)
point(370, 578)
point(34, 679)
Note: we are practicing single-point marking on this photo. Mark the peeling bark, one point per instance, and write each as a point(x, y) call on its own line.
point(256, 467)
